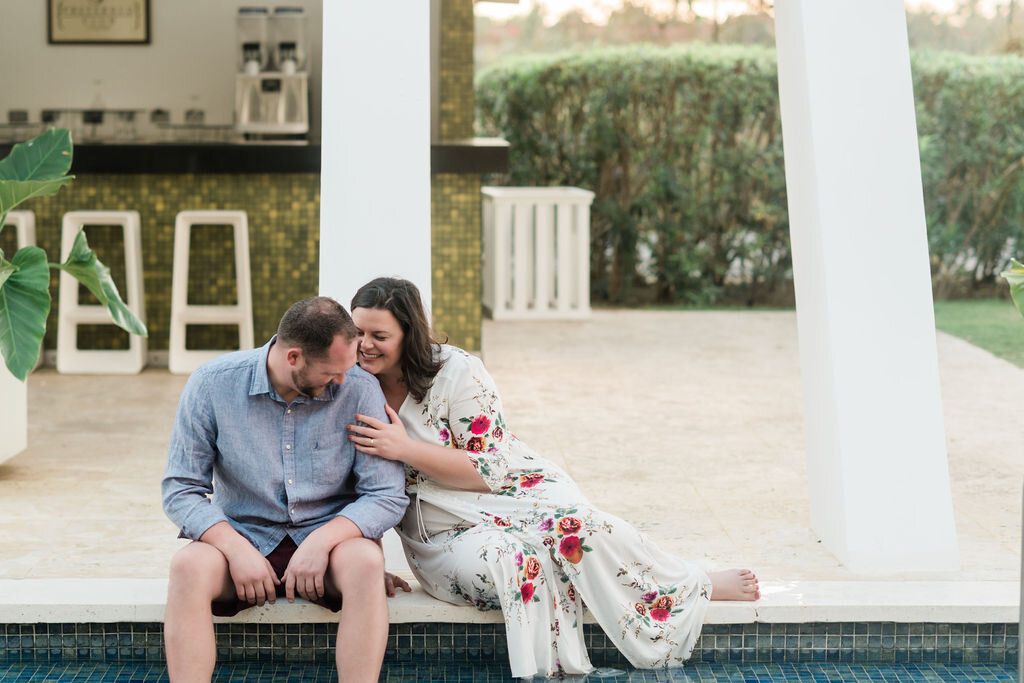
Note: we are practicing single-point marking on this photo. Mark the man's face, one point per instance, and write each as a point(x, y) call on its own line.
point(313, 376)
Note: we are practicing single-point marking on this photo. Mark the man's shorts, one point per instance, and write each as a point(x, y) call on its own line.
point(279, 558)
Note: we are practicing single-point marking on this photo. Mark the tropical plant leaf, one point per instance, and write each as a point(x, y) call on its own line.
point(1015, 276)
point(6, 269)
point(14, 192)
point(83, 265)
point(24, 305)
point(44, 157)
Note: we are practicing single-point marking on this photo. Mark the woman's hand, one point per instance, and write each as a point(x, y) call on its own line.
point(393, 581)
point(389, 441)
point(447, 465)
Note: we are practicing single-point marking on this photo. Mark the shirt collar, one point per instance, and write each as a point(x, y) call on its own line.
point(261, 379)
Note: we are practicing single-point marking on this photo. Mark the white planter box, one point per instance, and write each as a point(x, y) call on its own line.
point(13, 414)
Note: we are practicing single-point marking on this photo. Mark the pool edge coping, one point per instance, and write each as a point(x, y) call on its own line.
point(143, 600)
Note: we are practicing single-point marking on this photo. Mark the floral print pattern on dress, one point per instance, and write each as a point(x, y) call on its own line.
point(473, 423)
point(528, 572)
point(517, 482)
point(536, 549)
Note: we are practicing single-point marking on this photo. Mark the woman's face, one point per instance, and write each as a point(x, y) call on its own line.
point(380, 341)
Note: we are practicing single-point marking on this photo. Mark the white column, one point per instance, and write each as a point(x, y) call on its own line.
point(375, 158)
point(879, 482)
point(13, 414)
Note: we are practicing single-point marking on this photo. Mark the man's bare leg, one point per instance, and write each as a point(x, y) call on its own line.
point(356, 570)
point(734, 584)
point(199, 575)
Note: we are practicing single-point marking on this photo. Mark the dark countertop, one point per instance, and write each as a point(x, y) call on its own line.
point(471, 155)
point(474, 155)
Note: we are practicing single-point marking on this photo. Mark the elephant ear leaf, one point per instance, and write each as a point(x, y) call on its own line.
point(46, 157)
point(1015, 276)
point(83, 265)
point(24, 305)
point(14, 192)
point(35, 168)
point(7, 269)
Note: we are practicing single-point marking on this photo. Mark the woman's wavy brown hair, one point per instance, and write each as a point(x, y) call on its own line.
point(420, 361)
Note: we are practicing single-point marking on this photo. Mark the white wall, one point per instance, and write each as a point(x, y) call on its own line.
point(13, 414)
point(190, 61)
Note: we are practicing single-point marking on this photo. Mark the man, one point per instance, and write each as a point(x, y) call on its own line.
point(295, 509)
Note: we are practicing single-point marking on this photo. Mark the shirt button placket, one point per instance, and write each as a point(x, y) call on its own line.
point(288, 457)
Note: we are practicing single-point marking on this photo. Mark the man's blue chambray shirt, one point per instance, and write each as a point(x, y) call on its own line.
point(279, 468)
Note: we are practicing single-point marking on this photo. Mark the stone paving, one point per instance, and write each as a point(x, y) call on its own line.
point(687, 424)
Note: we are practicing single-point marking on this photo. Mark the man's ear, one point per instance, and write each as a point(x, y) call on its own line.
point(293, 355)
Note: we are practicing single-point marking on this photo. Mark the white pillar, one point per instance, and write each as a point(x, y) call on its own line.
point(879, 482)
point(13, 414)
point(375, 146)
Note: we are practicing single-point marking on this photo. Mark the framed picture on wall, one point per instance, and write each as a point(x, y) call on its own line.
point(97, 22)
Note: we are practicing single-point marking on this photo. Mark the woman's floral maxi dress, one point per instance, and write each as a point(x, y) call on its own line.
point(535, 547)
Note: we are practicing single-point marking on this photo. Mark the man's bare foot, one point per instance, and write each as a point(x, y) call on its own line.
point(734, 584)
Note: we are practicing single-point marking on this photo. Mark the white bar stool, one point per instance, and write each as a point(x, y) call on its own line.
point(24, 223)
point(70, 358)
point(180, 360)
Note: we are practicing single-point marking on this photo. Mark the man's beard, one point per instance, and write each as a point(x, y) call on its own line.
point(305, 388)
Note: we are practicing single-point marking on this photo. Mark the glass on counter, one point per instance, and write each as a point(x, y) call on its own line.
point(19, 127)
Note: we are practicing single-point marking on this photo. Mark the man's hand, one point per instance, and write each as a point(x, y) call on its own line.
point(305, 572)
point(393, 581)
point(252, 575)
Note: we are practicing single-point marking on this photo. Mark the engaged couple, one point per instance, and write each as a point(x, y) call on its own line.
point(341, 427)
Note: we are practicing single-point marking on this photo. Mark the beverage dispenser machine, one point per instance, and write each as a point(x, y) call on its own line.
point(272, 83)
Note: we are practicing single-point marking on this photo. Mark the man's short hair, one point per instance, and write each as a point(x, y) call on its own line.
point(313, 323)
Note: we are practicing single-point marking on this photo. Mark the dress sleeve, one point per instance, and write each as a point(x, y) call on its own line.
point(477, 423)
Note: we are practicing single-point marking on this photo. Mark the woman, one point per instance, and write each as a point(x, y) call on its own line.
point(495, 525)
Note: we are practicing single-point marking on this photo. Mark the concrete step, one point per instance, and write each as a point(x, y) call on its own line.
point(142, 600)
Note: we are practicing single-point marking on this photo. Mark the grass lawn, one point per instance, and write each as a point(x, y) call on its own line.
point(993, 324)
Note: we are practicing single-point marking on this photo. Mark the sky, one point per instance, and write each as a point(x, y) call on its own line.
point(597, 11)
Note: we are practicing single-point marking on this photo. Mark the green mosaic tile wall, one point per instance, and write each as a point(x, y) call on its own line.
point(283, 213)
point(284, 218)
point(456, 87)
point(455, 247)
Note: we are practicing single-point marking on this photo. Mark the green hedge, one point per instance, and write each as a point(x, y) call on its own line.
point(683, 149)
point(970, 122)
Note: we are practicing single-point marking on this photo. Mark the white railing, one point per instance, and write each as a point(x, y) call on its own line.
point(536, 252)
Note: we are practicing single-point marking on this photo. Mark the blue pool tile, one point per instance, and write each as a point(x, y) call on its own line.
point(491, 671)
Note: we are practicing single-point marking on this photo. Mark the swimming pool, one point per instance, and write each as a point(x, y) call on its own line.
point(436, 651)
point(485, 672)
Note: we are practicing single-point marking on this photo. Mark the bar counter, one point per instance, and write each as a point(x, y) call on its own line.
point(278, 186)
point(473, 155)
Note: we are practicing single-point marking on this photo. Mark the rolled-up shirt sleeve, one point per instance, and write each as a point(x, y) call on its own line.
point(380, 483)
point(188, 480)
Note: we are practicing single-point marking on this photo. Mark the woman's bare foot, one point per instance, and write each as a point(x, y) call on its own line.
point(734, 584)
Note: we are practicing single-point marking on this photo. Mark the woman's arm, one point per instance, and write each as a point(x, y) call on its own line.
point(449, 466)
